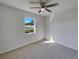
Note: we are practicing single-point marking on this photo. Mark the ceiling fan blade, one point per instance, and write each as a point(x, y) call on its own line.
point(41, 2)
point(35, 7)
point(51, 5)
point(48, 10)
point(39, 11)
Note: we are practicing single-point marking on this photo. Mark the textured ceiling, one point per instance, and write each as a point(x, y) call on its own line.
point(25, 5)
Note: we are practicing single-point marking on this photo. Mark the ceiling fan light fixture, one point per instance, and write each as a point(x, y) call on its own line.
point(42, 9)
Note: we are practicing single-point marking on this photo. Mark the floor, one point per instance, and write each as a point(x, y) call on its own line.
point(41, 50)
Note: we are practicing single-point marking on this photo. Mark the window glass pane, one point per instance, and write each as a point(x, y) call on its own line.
point(29, 29)
point(29, 21)
point(29, 25)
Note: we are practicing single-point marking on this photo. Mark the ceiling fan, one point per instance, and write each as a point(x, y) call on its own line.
point(43, 6)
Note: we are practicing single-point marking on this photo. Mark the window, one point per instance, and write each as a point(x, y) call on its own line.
point(29, 25)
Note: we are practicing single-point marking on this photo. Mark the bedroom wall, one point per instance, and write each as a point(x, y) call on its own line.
point(64, 28)
point(12, 28)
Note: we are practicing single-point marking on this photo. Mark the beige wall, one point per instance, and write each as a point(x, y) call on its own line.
point(63, 28)
point(12, 28)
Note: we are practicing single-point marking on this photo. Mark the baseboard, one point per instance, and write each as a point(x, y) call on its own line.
point(20, 46)
point(66, 46)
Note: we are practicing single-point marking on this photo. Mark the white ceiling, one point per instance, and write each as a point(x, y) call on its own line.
point(25, 5)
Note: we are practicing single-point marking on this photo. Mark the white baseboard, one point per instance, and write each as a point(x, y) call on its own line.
point(18, 46)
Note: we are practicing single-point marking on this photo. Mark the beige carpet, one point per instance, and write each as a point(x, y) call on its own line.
point(41, 50)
